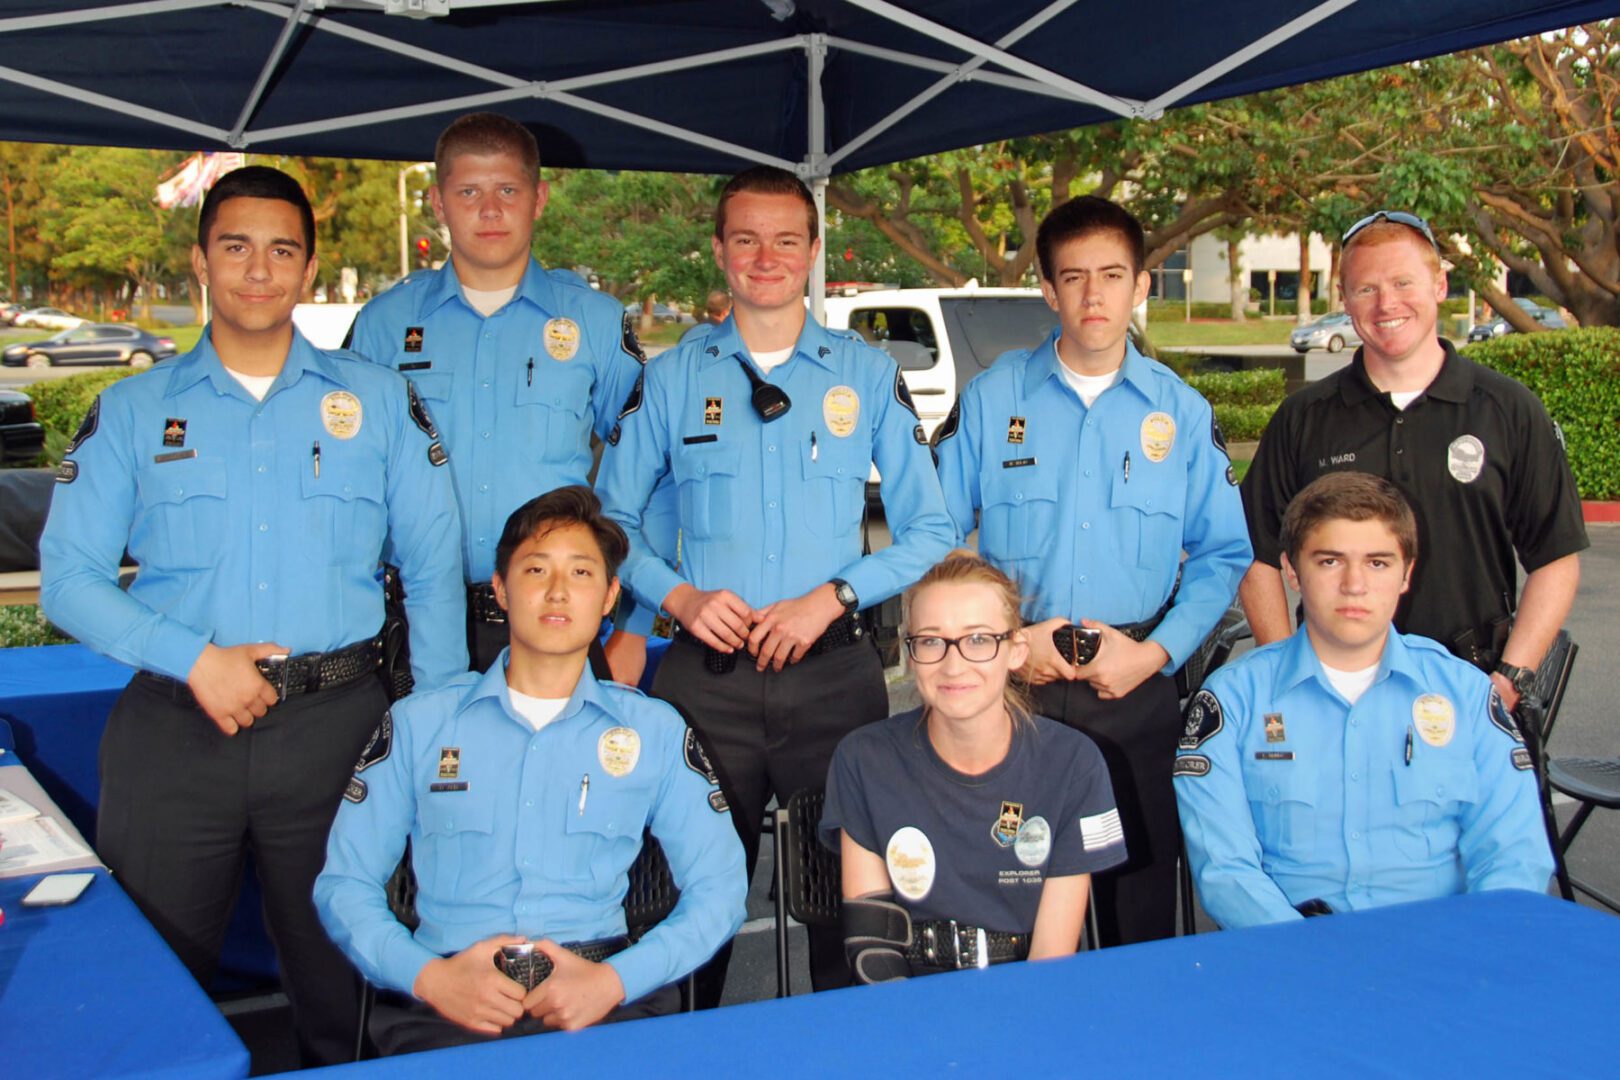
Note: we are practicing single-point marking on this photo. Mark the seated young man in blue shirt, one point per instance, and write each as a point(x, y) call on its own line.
point(1349, 766)
point(524, 792)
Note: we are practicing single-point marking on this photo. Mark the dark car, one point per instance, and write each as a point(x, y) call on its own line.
point(93, 343)
point(22, 436)
point(1547, 317)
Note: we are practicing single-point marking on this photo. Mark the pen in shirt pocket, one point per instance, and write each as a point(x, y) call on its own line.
point(1408, 745)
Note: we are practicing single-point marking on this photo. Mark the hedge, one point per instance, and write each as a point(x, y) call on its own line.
point(1243, 423)
point(62, 403)
point(1258, 386)
point(25, 624)
point(1576, 374)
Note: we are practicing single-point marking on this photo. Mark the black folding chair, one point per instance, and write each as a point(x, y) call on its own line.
point(807, 875)
point(1215, 650)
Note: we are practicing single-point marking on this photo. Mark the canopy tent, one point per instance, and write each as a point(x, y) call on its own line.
point(818, 86)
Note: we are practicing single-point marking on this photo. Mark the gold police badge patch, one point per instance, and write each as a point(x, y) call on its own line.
point(341, 414)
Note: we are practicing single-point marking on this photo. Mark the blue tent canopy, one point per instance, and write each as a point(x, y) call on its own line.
point(821, 86)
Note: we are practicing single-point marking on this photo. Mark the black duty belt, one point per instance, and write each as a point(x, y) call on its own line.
point(845, 630)
point(303, 674)
point(530, 967)
point(1139, 631)
point(947, 944)
point(482, 606)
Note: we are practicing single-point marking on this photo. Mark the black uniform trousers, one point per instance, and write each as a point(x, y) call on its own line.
point(485, 641)
point(773, 733)
point(182, 804)
point(404, 1025)
point(1137, 735)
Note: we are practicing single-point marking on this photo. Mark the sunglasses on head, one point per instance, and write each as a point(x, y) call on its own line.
point(1399, 217)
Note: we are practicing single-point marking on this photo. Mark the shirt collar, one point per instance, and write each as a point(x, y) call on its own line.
point(535, 286)
point(1300, 661)
point(815, 343)
point(1454, 382)
point(202, 362)
point(492, 684)
point(1135, 370)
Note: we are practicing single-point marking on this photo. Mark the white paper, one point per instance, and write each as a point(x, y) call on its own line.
point(35, 843)
point(13, 808)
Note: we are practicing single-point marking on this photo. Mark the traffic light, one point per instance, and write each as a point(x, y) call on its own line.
point(424, 248)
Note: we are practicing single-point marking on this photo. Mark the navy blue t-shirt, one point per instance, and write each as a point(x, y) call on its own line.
point(974, 848)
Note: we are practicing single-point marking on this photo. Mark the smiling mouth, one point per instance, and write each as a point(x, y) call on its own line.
point(1391, 324)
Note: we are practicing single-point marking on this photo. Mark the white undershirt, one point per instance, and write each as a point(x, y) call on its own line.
point(768, 360)
point(1351, 684)
point(1088, 386)
point(257, 385)
point(538, 711)
point(488, 302)
point(1403, 398)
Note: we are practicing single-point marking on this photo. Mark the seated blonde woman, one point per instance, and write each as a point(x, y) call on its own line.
point(969, 829)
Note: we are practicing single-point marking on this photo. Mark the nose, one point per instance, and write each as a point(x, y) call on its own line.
point(489, 207)
point(1354, 581)
point(258, 266)
point(557, 588)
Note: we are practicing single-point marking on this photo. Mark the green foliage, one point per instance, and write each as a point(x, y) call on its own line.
point(1243, 423)
point(1259, 386)
point(24, 625)
point(1576, 374)
point(62, 403)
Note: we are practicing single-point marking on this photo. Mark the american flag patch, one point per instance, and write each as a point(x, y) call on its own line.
point(1101, 830)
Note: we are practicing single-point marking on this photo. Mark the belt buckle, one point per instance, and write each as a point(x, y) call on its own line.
point(281, 694)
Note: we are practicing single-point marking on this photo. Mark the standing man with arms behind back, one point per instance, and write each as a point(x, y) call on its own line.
point(769, 426)
point(519, 364)
point(1089, 469)
point(1471, 449)
point(257, 481)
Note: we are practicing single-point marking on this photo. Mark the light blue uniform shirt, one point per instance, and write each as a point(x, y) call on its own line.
point(1090, 510)
point(772, 510)
point(1332, 805)
point(516, 394)
point(241, 538)
point(527, 845)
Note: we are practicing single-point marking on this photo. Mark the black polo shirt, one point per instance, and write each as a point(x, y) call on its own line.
point(1476, 454)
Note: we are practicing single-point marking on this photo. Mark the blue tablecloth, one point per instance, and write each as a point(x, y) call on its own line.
point(1501, 984)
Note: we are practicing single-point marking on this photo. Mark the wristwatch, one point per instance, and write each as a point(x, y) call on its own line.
point(1522, 679)
point(845, 594)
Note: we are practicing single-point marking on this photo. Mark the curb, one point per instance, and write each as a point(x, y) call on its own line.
point(1597, 513)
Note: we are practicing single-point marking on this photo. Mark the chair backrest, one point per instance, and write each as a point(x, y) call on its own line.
point(812, 871)
point(1214, 651)
point(401, 891)
point(652, 894)
point(1546, 697)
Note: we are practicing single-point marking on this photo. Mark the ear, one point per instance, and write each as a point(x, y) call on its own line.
point(1406, 577)
point(1291, 575)
point(500, 589)
point(436, 200)
point(719, 248)
point(311, 267)
point(1018, 650)
point(612, 599)
point(815, 248)
point(199, 263)
point(1049, 292)
point(1442, 285)
point(542, 194)
point(1144, 282)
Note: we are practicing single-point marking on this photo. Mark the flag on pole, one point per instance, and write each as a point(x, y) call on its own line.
point(199, 173)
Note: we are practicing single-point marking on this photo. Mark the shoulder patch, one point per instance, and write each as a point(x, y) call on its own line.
point(419, 412)
point(1216, 435)
point(630, 343)
point(632, 402)
point(67, 472)
point(902, 394)
point(1521, 759)
point(1504, 719)
point(1204, 720)
point(950, 426)
point(1191, 765)
point(698, 760)
point(379, 746)
point(87, 426)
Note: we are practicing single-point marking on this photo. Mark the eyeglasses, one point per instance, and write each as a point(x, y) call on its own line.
point(1399, 217)
point(975, 648)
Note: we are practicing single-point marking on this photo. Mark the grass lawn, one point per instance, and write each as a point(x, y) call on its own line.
point(1168, 334)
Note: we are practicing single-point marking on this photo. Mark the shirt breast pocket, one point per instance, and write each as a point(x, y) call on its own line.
point(433, 386)
point(1019, 518)
point(835, 472)
point(706, 479)
point(345, 505)
point(1148, 509)
point(605, 838)
point(456, 841)
point(1429, 796)
point(183, 503)
point(1283, 803)
point(552, 401)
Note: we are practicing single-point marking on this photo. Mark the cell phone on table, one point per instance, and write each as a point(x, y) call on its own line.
point(1077, 644)
point(57, 889)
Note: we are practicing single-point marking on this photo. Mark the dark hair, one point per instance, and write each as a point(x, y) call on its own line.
point(765, 180)
point(257, 182)
point(573, 505)
point(1349, 496)
point(486, 133)
point(1081, 217)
